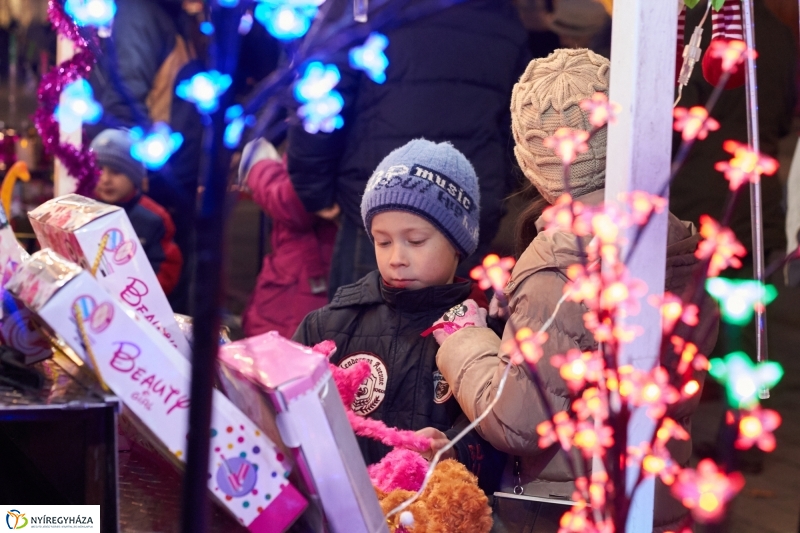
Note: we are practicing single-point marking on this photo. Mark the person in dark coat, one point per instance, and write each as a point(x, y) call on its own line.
point(135, 78)
point(294, 275)
point(411, 211)
point(120, 184)
point(449, 78)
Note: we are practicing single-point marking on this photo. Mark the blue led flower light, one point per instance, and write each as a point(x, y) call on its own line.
point(322, 114)
point(286, 21)
point(206, 28)
point(156, 147)
point(742, 379)
point(739, 298)
point(321, 103)
point(371, 57)
point(77, 106)
point(204, 89)
point(236, 120)
point(97, 13)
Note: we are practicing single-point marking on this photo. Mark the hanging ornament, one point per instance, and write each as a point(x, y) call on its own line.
point(726, 26)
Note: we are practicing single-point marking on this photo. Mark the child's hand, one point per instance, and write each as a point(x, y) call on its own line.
point(460, 316)
point(438, 441)
point(253, 152)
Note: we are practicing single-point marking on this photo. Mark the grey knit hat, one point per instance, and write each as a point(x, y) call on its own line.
point(434, 181)
point(113, 149)
point(546, 98)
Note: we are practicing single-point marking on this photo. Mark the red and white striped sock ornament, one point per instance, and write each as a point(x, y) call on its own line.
point(726, 26)
point(681, 42)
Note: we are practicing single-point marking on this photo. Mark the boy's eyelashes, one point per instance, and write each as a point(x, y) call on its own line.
point(416, 242)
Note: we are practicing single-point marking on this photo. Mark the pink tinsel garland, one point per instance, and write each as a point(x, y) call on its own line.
point(79, 162)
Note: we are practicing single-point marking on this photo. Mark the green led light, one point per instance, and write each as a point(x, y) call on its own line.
point(738, 298)
point(743, 379)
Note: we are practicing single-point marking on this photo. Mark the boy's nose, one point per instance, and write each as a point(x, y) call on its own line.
point(399, 257)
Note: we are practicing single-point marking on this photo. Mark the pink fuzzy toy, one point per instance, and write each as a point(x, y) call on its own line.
point(401, 468)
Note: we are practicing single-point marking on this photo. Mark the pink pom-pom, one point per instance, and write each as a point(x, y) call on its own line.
point(400, 469)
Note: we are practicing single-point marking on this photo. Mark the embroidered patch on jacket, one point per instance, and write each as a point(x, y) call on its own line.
point(441, 388)
point(371, 393)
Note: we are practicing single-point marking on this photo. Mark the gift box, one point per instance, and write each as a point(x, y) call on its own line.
point(247, 473)
point(311, 420)
point(18, 329)
point(100, 237)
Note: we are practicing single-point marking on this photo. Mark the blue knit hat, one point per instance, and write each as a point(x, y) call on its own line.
point(434, 181)
point(113, 149)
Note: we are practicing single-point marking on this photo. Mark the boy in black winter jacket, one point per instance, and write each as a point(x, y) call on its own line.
point(421, 209)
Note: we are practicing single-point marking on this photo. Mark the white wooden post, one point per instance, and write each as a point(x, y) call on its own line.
point(638, 158)
point(63, 183)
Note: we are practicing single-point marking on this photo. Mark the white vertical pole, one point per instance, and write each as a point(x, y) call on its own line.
point(63, 183)
point(638, 158)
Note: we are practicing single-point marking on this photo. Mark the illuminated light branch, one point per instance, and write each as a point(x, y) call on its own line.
point(236, 120)
point(77, 106)
point(97, 13)
point(693, 123)
point(719, 245)
point(732, 53)
point(370, 57)
point(746, 166)
point(156, 147)
point(742, 379)
point(493, 273)
point(204, 89)
point(739, 299)
point(601, 111)
point(707, 490)
point(756, 427)
point(567, 143)
point(286, 21)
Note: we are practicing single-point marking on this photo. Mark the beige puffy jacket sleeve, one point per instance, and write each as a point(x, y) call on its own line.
point(473, 360)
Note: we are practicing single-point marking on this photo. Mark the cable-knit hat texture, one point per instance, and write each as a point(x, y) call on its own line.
point(548, 97)
point(434, 181)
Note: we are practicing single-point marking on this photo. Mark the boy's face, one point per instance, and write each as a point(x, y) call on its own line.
point(411, 252)
point(113, 187)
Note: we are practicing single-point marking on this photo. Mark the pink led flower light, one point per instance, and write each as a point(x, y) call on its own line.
point(567, 143)
point(654, 391)
point(561, 429)
point(601, 110)
point(746, 165)
point(494, 272)
point(591, 404)
point(756, 427)
point(670, 430)
point(693, 123)
point(642, 205)
point(705, 491)
point(577, 368)
point(591, 440)
point(730, 52)
point(673, 310)
point(526, 346)
point(719, 245)
point(656, 462)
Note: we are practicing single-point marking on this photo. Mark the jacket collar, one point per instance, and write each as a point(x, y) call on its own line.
point(371, 290)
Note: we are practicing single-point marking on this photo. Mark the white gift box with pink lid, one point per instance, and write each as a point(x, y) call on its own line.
point(247, 472)
point(86, 232)
point(312, 421)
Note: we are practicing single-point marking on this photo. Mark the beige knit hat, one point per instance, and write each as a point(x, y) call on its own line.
point(548, 97)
